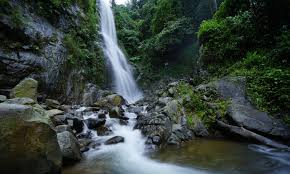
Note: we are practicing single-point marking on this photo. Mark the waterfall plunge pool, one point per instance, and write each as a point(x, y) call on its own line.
point(196, 157)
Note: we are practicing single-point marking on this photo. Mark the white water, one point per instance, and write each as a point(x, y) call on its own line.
point(123, 80)
point(129, 157)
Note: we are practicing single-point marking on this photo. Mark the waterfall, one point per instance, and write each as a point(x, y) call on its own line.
point(123, 80)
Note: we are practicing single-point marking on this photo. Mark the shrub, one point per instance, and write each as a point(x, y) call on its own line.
point(225, 41)
point(169, 40)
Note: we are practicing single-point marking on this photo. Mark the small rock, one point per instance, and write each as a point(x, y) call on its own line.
point(54, 112)
point(101, 114)
point(115, 140)
point(94, 123)
point(78, 125)
point(85, 142)
point(200, 130)
point(2, 98)
point(58, 120)
point(84, 149)
point(85, 135)
point(103, 131)
point(173, 140)
point(116, 112)
point(69, 146)
point(63, 128)
point(65, 108)
point(156, 140)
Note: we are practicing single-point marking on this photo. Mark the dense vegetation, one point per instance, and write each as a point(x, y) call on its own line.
point(251, 38)
point(159, 35)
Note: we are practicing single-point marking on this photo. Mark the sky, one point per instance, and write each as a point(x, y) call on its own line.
point(121, 1)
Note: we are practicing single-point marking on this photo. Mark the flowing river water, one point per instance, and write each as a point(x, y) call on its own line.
point(199, 156)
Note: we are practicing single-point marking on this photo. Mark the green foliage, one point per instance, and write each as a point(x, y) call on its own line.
point(6, 9)
point(166, 11)
point(226, 41)
point(232, 8)
point(82, 47)
point(161, 47)
point(280, 53)
point(127, 27)
point(267, 85)
point(195, 104)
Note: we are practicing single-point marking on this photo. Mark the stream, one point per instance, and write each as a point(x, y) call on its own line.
point(199, 156)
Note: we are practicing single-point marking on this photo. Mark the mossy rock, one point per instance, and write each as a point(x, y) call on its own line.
point(116, 100)
point(174, 110)
point(26, 88)
point(111, 101)
point(27, 143)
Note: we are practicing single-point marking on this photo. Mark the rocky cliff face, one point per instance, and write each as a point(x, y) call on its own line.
point(55, 42)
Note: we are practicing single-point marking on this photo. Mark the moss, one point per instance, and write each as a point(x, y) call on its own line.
point(196, 107)
point(267, 85)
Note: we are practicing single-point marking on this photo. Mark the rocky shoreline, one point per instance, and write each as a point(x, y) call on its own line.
point(40, 135)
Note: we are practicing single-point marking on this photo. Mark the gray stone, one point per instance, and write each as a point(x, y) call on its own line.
point(27, 143)
point(244, 114)
point(173, 140)
point(116, 112)
point(249, 117)
point(2, 98)
point(90, 95)
point(52, 104)
point(54, 112)
point(69, 146)
point(21, 101)
point(63, 128)
point(174, 110)
point(94, 123)
point(58, 120)
point(155, 124)
point(115, 140)
point(26, 88)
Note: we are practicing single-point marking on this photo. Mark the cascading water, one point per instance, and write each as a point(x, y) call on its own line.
point(124, 83)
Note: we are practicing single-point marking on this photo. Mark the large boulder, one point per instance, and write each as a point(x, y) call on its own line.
point(174, 110)
point(26, 88)
point(21, 101)
point(69, 146)
point(111, 101)
point(246, 115)
point(155, 125)
point(250, 118)
point(27, 142)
